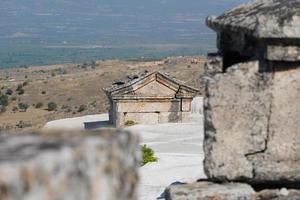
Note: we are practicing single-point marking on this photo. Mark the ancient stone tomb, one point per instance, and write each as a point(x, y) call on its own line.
point(149, 98)
point(252, 107)
point(252, 111)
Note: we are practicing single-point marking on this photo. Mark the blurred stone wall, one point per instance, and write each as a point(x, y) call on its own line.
point(67, 166)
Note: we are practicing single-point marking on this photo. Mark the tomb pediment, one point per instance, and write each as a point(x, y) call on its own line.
point(150, 85)
point(154, 89)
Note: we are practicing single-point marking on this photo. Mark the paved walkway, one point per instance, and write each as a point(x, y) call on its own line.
point(80, 123)
point(177, 146)
point(180, 153)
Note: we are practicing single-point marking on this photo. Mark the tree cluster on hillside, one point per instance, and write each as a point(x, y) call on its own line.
point(3, 102)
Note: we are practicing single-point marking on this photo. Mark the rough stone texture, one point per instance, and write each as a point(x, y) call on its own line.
point(281, 159)
point(212, 66)
point(252, 124)
point(282, 194)
point(209, 191)
point(262, 18)
point(264, 30)
point(236, 116)
point(283, 53)
point(68, 166)
point(227, 191)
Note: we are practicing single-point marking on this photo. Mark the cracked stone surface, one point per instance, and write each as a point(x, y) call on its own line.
point(209, 191)
point(266, 30)
point(67, 166)
point(278, 194)
point(252, 123)
point(283, 53)
point(261, 18)
point(227, 191)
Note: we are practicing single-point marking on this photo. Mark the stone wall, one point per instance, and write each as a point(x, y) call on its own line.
point(252, 141)
point(252, 123)
point(151, 112)
point(68, 166)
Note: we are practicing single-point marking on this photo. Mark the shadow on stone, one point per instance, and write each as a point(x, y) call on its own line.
point(163, 195)
point(97, 125)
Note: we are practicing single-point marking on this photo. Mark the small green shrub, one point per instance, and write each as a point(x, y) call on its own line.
point(3, 99)
point(84, 66)
point(20, 90)
point(23, 124)
point(148, 155)
point(39, 105)
point(63, 107)
point(3, 102)
point(94, 104)
point(25, 83)
point(82, 108)
point(130, 123)
point(9, 91)
point(52, 106)
point(19, 87)
point(23, 106)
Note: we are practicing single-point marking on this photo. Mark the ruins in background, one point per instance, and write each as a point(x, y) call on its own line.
point(150, 98)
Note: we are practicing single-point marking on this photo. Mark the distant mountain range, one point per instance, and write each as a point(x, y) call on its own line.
point(34, 32)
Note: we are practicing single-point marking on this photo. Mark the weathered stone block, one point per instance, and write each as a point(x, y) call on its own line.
point(236, 117)
point(209, 191)
point(264, 30)
point(279, 194)
point(69, 166)
point(283, 53)
point(261, 18)
point(148, 106)
point(150, 118)
point(227, 191)
point(252, 123)
point(281, 160)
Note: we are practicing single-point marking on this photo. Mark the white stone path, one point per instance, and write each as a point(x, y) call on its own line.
point(177, 146)
point(179, 149)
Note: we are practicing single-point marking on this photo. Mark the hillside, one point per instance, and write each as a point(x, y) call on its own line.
point(76, 89)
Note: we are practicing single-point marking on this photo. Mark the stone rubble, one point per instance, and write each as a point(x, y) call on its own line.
point(227, 191)
point(209, 191)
